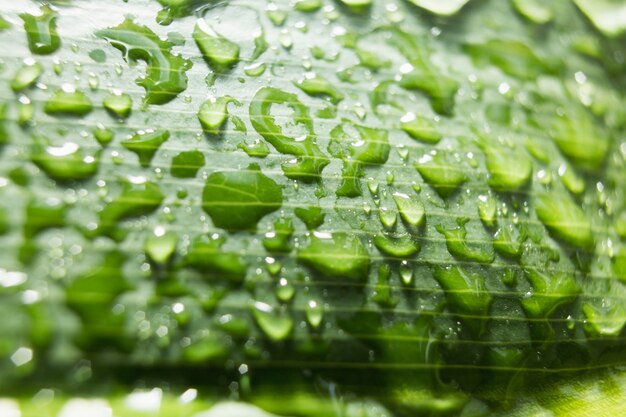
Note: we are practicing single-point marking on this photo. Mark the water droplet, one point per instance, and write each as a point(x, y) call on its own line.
point(513, 57)
point(26, 75)
point(411, 210)
point(210, 257)
point(41, 31)
point(336, 255)
point(139, 197)
point(357, 146)
point(544, 177)
point(534, 10)
point(387, 217)
point(444, 176)
point(238, 200)
point(186, 164)
point(403, 152)
point(459, 247)
point(213, 114)
point(393, 13)
point(487, 207)
point(505, 245)
point(145, 144)
point(182, 193)
point(118, 104)
point(161, 245)
point(285, 39)
point(165, 77)
point(103, 136)
point(285, 290)
point(509, 170)
point(273, 266)
point(220, 53)
point(68, 102)
point(98, 55)
point(420, 128)
point(441, 7)
point(307, 6)
point(278, 240)
point(312, 217)
point(4, 24)
point(373, 187)
point(316, 85)
point(382, 294)
point(275, 324)
point(64, 163)
point(25, 111)
point(310, 161)
point(277, 16)
point(94, 81)
point(406, 272)
point(466, 294)
point(4, 134)
point(420, 74)
point(256, 149)
point(572, 181)
point(255, 70)
point(396, 245)
point(564, 219)
point(549, 292)
point(607, 16)
point(314, 313)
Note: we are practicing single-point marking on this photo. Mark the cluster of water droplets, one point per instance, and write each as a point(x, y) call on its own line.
point(212, 197)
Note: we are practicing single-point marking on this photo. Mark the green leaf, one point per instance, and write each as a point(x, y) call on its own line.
point(319, 207)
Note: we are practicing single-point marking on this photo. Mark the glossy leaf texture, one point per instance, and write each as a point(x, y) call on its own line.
point(312, 208)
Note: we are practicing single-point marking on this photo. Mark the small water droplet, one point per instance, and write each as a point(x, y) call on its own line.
point(314, 314)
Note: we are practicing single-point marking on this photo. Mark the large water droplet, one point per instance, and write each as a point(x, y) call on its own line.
point(564, 219)
point(399, 246)
point(64, 163)
point(68, 102)
point(213, 114)
point(186, 164)
point(139, 197)
point(411, 209)
point(534, 10)
point(357, 146)
point(310, 161)
point(41, 31)
point(237, 200)
point(420, 128)
point(165, 77)
point(26, 75)
point(219, 52)
point(279, 239)
point(459, 247)
point(444, 176)
point(441, 7)
point(336, 255)
point(315, 85)
point(146, 144)
point(118, 104)
point(275, 324)
point(209, 257)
